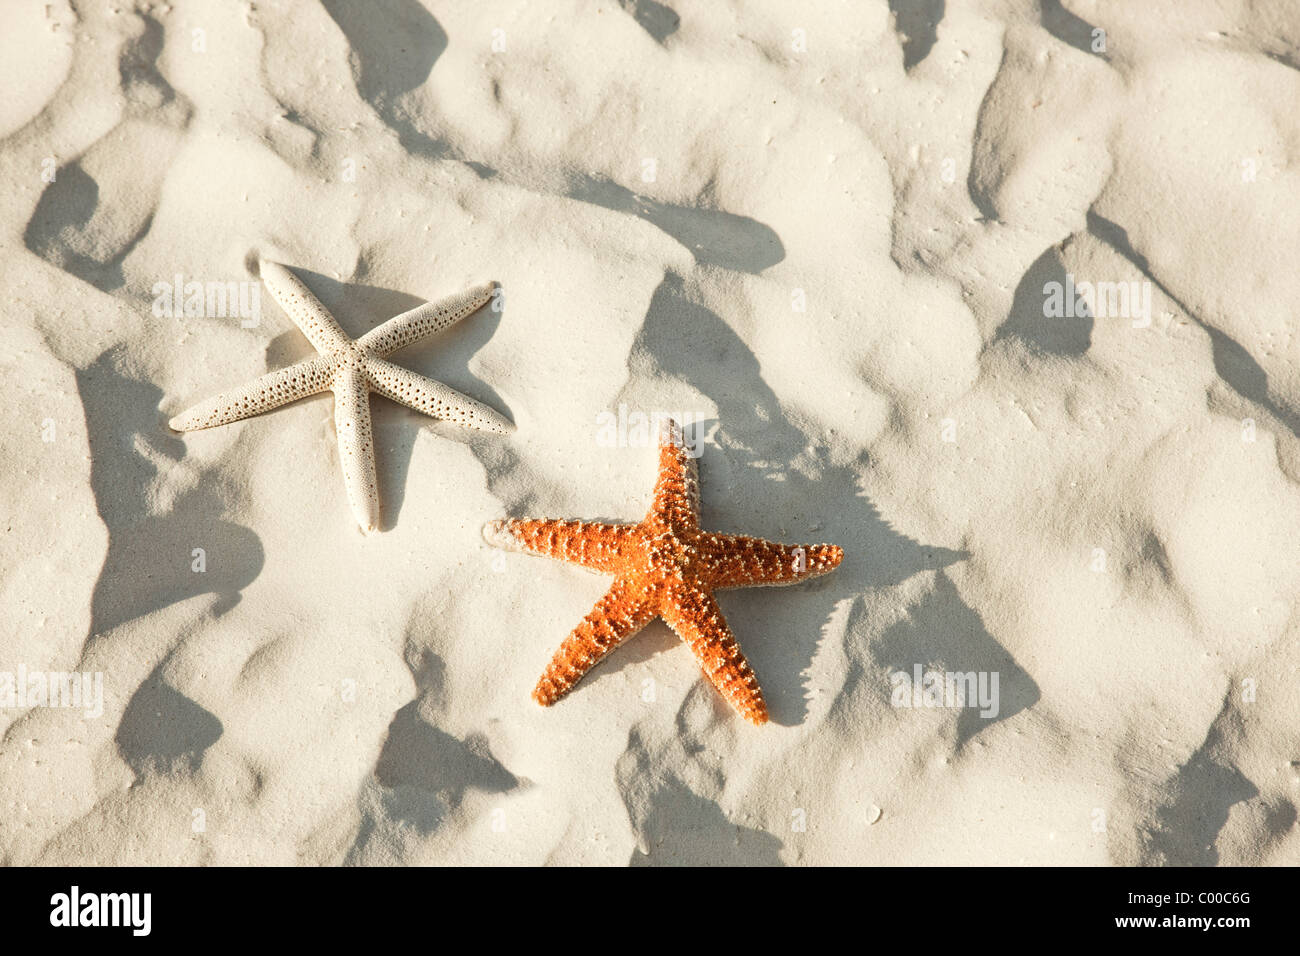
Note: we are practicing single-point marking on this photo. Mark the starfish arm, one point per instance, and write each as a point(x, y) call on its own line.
point(433, 398)
point(269, 391)
point(693, 613)
point(357, 448)
point(677, 490)
point(737, 561)
point(588, 544)
point(400, 331)
point(303, 308)
point(616, 617)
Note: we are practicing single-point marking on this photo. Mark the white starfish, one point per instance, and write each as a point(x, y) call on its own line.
point(352, 370)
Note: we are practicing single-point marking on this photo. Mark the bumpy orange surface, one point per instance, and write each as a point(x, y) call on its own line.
point(667, 567)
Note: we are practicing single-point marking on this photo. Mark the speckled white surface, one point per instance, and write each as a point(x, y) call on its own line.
point(824, 235)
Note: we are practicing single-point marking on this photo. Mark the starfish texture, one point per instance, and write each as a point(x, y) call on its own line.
point(352, 370)
point(667, 567)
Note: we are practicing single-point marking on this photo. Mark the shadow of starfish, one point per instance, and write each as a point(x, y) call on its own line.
point(747, 480)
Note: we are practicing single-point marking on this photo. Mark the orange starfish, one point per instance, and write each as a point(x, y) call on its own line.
point(663, 567)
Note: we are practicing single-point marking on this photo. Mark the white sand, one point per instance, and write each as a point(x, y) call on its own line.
point(657, 196)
